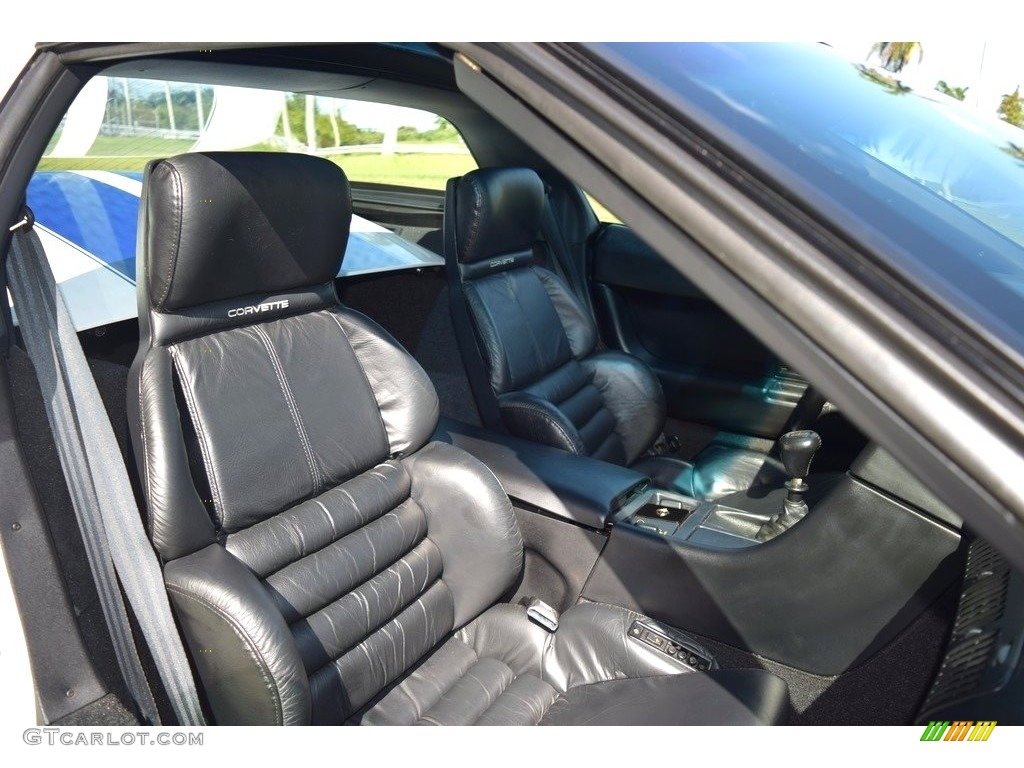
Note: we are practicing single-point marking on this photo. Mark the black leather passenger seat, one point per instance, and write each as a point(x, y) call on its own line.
point(329, 564)
point(548, 377)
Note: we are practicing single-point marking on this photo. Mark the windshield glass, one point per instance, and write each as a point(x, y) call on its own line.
point(942, 183)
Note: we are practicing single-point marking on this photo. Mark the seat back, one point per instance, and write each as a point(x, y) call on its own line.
point(316, 545)
point(537, 342)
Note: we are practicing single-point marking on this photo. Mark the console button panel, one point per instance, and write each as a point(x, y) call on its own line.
point(673, 644)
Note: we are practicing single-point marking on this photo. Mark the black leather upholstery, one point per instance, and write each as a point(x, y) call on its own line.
point(327, 564)
point(566, 485)
point(501, 218)
point(550, 382)
point(726, 697)
point(719, 470)
point(235, 232)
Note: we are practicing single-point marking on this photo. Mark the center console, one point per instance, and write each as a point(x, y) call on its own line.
point(817, 574)
point(736, 525)
point(681, 518)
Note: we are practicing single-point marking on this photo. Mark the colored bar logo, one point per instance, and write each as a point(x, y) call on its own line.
point(958, 730)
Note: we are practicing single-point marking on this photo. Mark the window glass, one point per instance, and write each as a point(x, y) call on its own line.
point(602, 213)
point(936, 186)
point(85, 192)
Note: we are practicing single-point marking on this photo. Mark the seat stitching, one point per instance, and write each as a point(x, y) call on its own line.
point(491, 701)
point(547, 278)
point(172, 262)
point(385, 629)
point(477, 216)
point(363, 525)
point(145, 450)
point(264, 668)
point(292, 407)
point(342, 551)
point(373, 392)
point(476, 304)
point(204, 446)
point(527, 703)
point(537, 350)
point(239, 535)
point(428, 583)
point(432, 718)
point(371, 631)
point(420, 708)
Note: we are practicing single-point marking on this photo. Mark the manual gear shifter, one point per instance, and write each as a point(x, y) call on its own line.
point(797, 451)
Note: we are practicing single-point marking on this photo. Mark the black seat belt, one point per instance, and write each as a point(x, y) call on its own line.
point(561, 258)
point(118, 549)
point(559, 251)
point(477, 371)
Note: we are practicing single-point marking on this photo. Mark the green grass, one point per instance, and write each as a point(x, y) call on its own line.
point(127, 163)
point(118, 153)
point(426, 171)
point(131, 153)
point(421, 170)
point(139, 146)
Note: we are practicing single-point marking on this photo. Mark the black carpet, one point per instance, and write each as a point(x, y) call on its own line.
point(48, 478)
point(887, 689)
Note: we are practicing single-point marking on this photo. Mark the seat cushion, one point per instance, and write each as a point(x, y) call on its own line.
point(502, 669)
point(724, 697)
point(717, 471)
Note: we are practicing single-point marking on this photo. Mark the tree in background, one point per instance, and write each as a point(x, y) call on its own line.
point(1014, 150)
point(957, 92)
point(895, 56)
point(151, 105)
point(1011, 108)
point(891, 84)
point(348, 134)
point(442, 132)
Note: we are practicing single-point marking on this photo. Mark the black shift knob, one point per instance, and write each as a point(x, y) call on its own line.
point(797, 449)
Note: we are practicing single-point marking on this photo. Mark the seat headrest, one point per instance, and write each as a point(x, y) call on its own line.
point(499, 213)
point(218, 225)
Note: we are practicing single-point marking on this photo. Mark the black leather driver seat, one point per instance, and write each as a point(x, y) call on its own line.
point(327, 562)
point(551, 382)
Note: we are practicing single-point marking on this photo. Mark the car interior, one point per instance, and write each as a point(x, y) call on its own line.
point(546, 481)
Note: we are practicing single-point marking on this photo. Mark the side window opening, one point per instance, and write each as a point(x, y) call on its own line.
point(602, 213)
point(85, 192)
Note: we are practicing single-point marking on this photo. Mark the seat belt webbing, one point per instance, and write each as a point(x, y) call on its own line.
point(559, 251)
point(116, 543)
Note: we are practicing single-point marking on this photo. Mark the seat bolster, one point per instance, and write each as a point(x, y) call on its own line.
point(578, 325)
point(725, 697)
point(240, 644)
point(176, 517)
point(539, 421)
point(634, 396)
point(470, 519)
point(406, 398)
